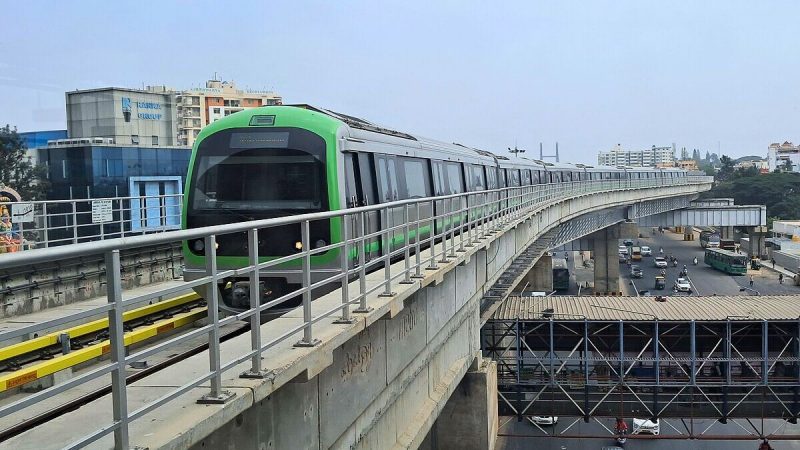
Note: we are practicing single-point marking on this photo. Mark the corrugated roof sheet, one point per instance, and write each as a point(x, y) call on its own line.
point(678, 308)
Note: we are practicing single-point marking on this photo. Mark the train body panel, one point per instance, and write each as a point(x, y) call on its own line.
point(280, 161)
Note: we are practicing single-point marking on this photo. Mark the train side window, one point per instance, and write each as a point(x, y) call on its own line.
point(478, 180)
point(455, 178)
point(513, 177)
point(387, 179)
point(416, 176)
point(439, 178)
point(491, 178)
point(526, 177)
point(501, 178)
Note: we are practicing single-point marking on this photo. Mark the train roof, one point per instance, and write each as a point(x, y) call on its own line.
point(366, 136)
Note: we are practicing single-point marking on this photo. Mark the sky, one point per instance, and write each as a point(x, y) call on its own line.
point(586, 74)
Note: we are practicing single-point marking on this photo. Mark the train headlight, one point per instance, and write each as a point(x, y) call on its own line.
point(298, 246)
point(320, 243)
point(198, 245)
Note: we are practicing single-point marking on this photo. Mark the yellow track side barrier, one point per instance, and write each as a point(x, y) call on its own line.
point(71, 359)
point(94, 326)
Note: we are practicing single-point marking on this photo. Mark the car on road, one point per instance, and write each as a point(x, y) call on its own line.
point(646, 251)
point(682, 285)
point(622, 258)
point(636, 272)
point(623, 250)
point(628, 242)
point(544, 420)
point(660, 262)
point(646, 426)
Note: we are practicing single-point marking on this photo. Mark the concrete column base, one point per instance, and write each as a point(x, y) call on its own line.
point(540, 277)
point(606, 261)
point(469, 419)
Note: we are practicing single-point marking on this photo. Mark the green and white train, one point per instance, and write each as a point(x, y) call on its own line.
point(278, 161)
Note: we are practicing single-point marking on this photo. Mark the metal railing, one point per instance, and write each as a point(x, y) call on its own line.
point(422, 232)
point(52, 223)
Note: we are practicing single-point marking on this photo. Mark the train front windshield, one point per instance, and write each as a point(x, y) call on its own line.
point(277, 172)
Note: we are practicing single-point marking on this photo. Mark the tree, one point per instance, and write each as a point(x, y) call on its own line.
point(684, 154)
point(787, 165)
point(16, 169)
point(708, 157)
point(780, 192)
point(696, 155)
point(726, 168)
point(750, 171)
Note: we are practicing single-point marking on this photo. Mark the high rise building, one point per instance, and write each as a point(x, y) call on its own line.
point(651, 157)
point(780, 156)
point(156, 115)
point(199, 107)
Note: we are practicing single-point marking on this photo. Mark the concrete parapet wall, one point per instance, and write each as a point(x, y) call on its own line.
point(32, 289)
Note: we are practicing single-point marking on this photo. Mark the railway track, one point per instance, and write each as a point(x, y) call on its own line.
point(85, 399)
point(45, 355)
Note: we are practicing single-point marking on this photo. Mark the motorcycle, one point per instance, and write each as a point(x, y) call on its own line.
point(674, 263)
point(694, 261)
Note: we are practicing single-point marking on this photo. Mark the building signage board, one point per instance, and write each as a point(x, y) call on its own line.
point(102, 211)
point(22, 212)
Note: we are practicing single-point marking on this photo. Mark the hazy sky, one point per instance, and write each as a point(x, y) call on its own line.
point(588, 74)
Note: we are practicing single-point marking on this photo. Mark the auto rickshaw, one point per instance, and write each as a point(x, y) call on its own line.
point(755, 263)
point(661, 282)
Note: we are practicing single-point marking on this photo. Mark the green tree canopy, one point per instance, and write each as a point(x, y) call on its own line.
point(780, 192)
point(16, 169)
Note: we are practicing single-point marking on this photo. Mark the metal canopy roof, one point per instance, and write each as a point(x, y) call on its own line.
point(677, 308)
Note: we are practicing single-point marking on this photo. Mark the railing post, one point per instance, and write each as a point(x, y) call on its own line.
point(445, 217)
point(255, 301)
point(46, 225)
point(454, 212)
point(74, 223)
point(387, 257)
point(116, 335)
point(432, 264)
point(217, 395)
point(308, 339)
point(362, 271)
point(463, 213)
point(406, 247)
point(345, 261)
point(417, 253)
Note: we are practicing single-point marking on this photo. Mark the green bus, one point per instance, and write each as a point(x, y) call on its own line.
point(727, 261)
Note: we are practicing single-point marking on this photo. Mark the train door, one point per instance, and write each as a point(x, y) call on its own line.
point(389, 190)
point(365, 195)
point(440, 187)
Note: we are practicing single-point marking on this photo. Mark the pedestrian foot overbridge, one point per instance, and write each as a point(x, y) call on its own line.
point(370, 364)
point(714, 357)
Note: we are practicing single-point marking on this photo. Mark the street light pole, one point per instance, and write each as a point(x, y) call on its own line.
point(516, 151)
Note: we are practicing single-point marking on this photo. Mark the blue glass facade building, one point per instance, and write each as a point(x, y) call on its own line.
point(92, 171)
point(37, 139)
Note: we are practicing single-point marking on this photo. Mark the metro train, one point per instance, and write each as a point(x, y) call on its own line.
point(277, 161)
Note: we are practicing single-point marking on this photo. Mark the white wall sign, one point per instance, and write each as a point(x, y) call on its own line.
point(21, 212)
point(102, 211)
